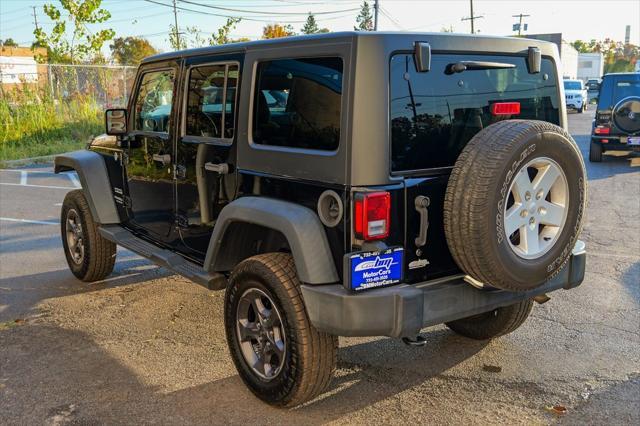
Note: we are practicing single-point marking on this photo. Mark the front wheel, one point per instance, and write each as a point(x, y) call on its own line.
point(493, 324)
point(89, 256)
point(278, 353)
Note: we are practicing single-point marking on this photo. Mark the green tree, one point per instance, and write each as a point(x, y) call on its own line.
point(82, 44)
point(277, 31)
point(8, 43)
point(131, 50)
point(222, 35)
point(365, 18)
point(311, 26)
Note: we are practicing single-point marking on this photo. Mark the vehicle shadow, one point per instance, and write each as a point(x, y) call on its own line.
point(20, 295)
point(65, 375)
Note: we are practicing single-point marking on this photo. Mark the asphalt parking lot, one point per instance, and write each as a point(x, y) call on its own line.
point(145, 346)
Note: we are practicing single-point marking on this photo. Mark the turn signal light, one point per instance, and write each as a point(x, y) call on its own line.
point(371, 215)
point(602, 130)
point(505, 108)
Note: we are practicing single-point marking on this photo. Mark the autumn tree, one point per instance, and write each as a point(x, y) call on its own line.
point(131, 50)
point(277, 31)
point(365, 18)
point(81, 44)
point(618, 57)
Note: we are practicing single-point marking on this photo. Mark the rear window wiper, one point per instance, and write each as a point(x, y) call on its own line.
point(461, 66)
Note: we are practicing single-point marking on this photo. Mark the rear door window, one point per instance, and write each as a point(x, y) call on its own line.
point(298, 102)
point(435, 114)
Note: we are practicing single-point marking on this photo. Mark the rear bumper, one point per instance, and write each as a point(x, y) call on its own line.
point(613, 143)
point(403, 310)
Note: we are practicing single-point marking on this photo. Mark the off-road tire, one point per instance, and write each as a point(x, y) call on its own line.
point(493, 324)
point(310, 358)
point(595, 152)
point(99, 253)
point(475, 196)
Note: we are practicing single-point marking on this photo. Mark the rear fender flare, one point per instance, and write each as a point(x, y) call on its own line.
point(301, 227)
point(94, 178)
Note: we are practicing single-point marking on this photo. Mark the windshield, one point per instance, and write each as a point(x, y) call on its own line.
point(572, 85)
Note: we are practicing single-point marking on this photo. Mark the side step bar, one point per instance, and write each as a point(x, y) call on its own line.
point(163, 257)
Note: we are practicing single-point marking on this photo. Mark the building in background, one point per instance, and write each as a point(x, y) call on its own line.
point(590, 65)
point(18, 67)
point(568, 54)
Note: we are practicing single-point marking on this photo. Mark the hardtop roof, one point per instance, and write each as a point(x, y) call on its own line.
point(344, 36)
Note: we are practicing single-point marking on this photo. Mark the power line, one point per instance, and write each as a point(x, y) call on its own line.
point(259, 12)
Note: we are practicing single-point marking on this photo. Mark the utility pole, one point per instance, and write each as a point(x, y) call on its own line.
point(472, 18)
point(35, 18)
point(520, 22)
point(376, 7)
point(175, 17)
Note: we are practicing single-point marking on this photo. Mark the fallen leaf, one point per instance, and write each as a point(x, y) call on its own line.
point(492, 368)
point(558, 410)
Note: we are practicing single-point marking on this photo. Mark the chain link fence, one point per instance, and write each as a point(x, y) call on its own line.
point(109, 86)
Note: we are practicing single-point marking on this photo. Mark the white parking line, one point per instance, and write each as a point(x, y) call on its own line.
point(74, 179)
point(38, 222)
point(23, 177)
point(36, 186)
point(46, 172)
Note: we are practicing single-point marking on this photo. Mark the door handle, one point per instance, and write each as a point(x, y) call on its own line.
point(220, 168)
point(421, 203)
point(164, 159)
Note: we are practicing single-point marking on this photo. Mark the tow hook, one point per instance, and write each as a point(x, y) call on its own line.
point(542, 298)
point(418, 341)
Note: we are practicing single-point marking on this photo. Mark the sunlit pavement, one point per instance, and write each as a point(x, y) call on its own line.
point(148, 347)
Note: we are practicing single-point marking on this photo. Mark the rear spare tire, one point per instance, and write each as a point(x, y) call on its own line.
point(514, 204)
point(626, 114)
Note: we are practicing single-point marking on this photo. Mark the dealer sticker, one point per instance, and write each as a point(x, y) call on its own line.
point(374, 269)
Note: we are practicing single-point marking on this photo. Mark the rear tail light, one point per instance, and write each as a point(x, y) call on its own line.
point(371, 215)
point(505, 108)
point(602, 130)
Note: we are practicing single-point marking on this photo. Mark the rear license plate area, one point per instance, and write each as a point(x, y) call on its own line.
point(633, 140)
point(373, 269)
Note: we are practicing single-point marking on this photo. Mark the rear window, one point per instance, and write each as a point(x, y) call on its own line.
point(614, 89)
point(298, 102)
point(435, 114)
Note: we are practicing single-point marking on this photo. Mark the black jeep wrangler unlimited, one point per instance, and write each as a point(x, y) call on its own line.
point(346, 184)
point(617, 123)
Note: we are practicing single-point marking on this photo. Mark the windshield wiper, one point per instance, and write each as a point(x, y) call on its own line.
point(461, 66)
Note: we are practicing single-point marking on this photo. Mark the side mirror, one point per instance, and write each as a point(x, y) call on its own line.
point(116, 121)
point(534, 60)
point(422, 56)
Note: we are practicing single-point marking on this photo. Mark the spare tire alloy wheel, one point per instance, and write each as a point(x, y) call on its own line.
point(514, 204)
point(260, 333)
point(535, 211)
point(626, 114)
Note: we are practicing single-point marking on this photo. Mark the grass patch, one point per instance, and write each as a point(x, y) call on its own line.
point(32, 124)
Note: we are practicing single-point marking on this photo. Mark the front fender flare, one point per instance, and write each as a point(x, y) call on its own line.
point(300, 226)
point(94, 178)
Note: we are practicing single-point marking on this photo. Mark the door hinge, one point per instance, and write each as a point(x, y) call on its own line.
point(182, 221)
point(127, 201)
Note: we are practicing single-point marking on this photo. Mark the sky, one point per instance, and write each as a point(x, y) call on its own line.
point(576, 19)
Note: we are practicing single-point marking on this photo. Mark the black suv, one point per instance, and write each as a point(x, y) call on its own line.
point(346, 184)
point(617, 122)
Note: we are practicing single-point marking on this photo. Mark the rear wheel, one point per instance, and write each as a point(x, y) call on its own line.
point(595, 152)
point(278, 353)
point(89, 256)
point(514, 204)
point(493, 324)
